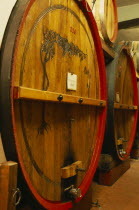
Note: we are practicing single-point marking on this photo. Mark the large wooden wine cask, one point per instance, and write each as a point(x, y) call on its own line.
point(105, 13)
point(122, 105)
point(53, 98)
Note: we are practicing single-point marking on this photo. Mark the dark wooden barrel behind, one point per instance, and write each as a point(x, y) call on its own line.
point(53, 98)
point(122, 105)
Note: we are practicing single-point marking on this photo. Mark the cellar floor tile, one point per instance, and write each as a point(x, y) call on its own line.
point(122, 195)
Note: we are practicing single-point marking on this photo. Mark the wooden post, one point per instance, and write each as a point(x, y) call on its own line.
point(8, 183)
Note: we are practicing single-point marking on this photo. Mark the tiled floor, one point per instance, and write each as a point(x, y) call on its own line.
point(122, 195)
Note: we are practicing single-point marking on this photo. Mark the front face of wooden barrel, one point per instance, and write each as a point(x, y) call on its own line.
point(105, 13)
point(110, 19)
point(125, 105)
point(57, 96)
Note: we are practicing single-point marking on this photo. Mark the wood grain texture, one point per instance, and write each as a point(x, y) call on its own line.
point(52, 135)
point(124, 116)
point(35, 94)
point(122, 105)
point(71, 170)
point(8, 182)
point(110, 177)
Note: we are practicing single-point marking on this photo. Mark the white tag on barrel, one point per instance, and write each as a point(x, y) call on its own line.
point(71, 81)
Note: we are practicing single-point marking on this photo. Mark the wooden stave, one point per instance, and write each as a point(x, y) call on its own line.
point(109, 138)
point(11, 144)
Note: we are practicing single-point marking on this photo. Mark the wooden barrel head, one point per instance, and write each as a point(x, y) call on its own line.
point(122, 105)
point(53, 85)
point(105, 13)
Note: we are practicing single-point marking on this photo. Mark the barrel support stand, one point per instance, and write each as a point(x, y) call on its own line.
point(110, 176)
point(8, 185)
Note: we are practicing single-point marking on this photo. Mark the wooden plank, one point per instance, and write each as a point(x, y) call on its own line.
point(120, 141)
point(71, 170)
point(47, 51)
point(34, 94)
point(125, 106)
point(8, 182)
point(110, 177)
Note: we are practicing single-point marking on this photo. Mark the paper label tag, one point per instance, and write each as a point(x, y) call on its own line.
point(71, 81)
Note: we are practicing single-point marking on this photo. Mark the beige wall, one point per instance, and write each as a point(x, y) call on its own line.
point(5, 10)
